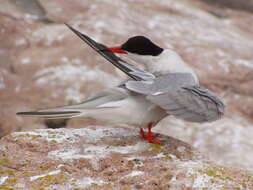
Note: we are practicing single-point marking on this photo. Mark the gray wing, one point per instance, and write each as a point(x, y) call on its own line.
point(181, 96)
point(163, 83)
point(131, 70)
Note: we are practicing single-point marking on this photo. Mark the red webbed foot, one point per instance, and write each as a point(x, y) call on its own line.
point(150, 136)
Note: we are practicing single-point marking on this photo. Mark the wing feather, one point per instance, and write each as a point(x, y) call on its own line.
point(180, 95)
point(131, 70)
point(190, 104)
point(94, 102)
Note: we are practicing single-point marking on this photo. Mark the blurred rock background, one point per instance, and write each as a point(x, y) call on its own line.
point(43, 64)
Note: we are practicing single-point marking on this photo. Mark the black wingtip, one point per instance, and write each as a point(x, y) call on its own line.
point(31, 113)
point(25, 113)
point(93, 44)
point(21, 113)
point(76, 31)
point(102, 50)
point(69, 26)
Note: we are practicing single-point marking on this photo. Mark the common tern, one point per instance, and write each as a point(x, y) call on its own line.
point(167, 86)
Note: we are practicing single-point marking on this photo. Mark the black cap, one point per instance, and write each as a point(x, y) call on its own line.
point(142, 46)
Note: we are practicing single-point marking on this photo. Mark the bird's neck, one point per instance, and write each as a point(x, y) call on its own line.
point(167, 62)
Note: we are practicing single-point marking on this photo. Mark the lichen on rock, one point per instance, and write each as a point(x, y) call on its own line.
point(82, 159)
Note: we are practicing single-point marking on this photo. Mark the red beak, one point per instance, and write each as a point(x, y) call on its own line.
point(117, 50)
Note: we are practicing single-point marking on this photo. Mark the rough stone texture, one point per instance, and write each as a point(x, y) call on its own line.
point(245, 5)
point(46, 65)
point(107, 158)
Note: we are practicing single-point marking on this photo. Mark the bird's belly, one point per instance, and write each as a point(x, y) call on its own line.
point(133, 111)
point(139, 112)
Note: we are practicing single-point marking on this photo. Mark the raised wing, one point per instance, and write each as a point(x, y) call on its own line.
point(131, 70)
point(179, 95)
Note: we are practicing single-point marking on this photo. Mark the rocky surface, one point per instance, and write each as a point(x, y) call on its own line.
point(45, 65)
point(108, 158)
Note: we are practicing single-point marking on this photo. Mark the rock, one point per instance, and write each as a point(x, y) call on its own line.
point(246, 5)
point(32, 9)
point(225, 142)
point(104, 157)
point(46, 65)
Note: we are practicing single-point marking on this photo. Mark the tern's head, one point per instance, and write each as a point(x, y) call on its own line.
point(138, 46)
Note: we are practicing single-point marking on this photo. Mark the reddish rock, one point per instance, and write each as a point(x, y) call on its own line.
point(104, 157)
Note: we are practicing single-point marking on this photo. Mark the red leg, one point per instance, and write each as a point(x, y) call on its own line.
point(142, 133)
point(149, 136)
point(149, 127)
point(150, 132)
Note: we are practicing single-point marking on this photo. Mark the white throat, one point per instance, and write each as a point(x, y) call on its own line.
point(167, 61)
